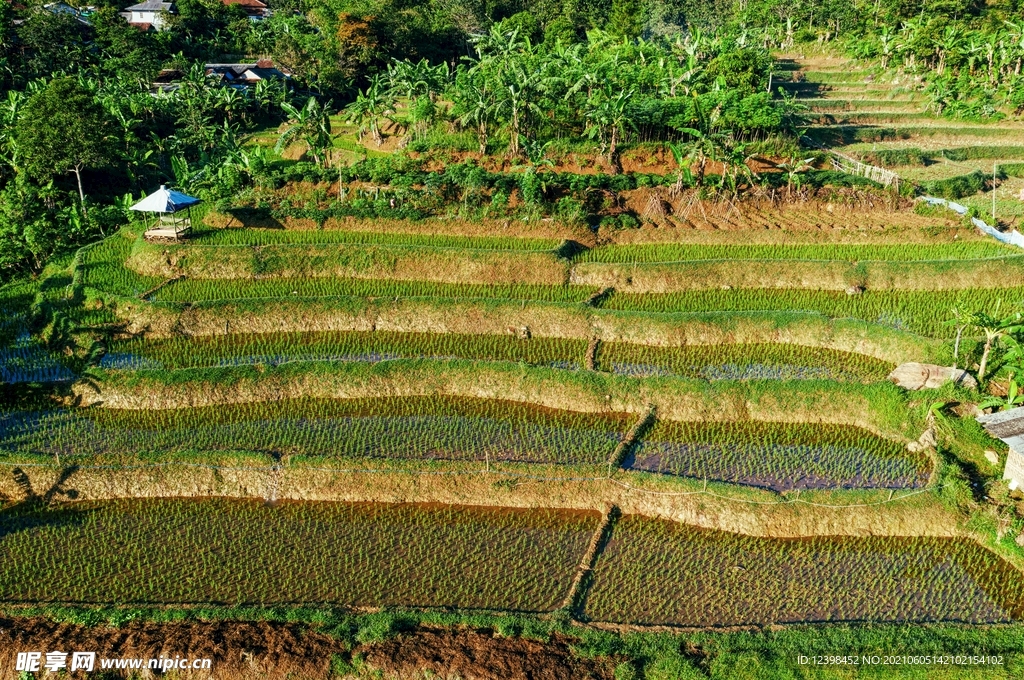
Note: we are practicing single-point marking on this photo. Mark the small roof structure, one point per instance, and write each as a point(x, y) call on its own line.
point(169, 204)
point(165, 200)
point(1008, 426)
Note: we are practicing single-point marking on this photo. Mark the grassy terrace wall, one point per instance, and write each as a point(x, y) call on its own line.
point(421, 263)
point(878, 407)
point(543, 319)
point(726, 507)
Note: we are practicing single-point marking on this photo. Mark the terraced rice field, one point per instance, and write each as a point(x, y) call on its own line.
point(779, 456)
point(924, 312)
point(658, 572)
point(418, 428)
point(261, 237)
point(651, 253)
point(740, 362)
point(371, 346)
point(245, 552)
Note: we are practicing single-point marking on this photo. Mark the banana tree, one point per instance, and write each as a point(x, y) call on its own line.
point(311, 124)
point(372, 105)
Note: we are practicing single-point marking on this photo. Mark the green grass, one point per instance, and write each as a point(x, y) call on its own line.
point(260, 237)
point(411, 428)
point(659, 572)
point(370, 346)
point(923, 312)
point(205, 290)
point(245, 552)
point(818, 252)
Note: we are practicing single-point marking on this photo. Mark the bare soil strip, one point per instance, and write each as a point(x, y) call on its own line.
point(243, 650)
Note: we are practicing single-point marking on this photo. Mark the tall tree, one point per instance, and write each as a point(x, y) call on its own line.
point(63, 129)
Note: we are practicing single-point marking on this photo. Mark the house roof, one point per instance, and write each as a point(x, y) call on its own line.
point(252, 4)
point(242, 73)
point(1006, 425)
point(151, 6)
point(165, 200)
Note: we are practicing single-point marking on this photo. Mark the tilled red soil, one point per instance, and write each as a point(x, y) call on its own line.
point(477, 655)
point(271, 651)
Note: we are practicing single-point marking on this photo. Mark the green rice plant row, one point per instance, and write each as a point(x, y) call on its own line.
point(367, 346)
point(413, 428)
point(779, 456)
point(926, 313)
point(671, 252)
point(265, 237)
point(155, 551)
point(874, 275)
point(657, 572)
point(200, 290)
point(755, 361)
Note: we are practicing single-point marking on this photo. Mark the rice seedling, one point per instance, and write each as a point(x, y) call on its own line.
point(163, 551)
point(923, 312)
point(103, 268)
point(419, 428)
point(831, 252)
point(741, 362)
point(202, 290)
point(779, 456)
point(27, 360)
point(277, 348)
point(658, 572)
point(262, 237)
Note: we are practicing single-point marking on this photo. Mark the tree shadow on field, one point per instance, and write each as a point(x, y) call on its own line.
point(34, 510)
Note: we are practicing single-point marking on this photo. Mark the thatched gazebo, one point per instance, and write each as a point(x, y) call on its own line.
point(174, 210)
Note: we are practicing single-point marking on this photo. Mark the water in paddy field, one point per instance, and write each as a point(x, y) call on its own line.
point(737, 372)
point(26, 361)
point(131, 361)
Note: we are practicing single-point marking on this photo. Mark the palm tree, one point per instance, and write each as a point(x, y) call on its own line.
point(311, 124)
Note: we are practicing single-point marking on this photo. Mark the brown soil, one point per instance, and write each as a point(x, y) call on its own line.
point(238, 649)
point(278, 650)
point(478, 655)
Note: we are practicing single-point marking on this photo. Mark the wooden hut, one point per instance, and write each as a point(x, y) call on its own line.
point(173, 210)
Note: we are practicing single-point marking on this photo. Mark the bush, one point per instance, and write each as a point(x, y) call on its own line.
point(956, 187)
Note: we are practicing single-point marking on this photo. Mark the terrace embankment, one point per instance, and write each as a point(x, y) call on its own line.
point(543, 319)
point(361, 261)
point(879, 407)
point(500, 228)
point(742, 511)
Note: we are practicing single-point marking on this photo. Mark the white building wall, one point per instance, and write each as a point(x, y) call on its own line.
point(1014, 470)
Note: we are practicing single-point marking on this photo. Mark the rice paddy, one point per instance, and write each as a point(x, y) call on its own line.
point(206, 290)
point(779, 456)
point(262, 237)
point(238, 552)
point(740, 362)
point(895, 252)
point(924, 312)
point(658, 572)
point(418, 428)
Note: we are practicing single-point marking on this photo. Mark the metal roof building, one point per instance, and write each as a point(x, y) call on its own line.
point(1009, 427)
